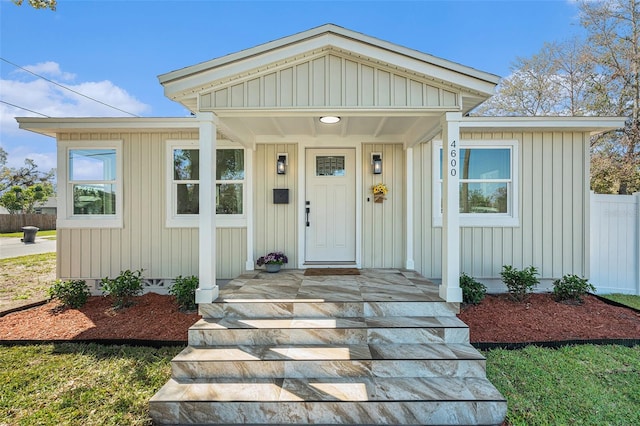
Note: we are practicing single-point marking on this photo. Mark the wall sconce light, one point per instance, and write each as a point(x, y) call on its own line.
point(376, 163)
point(281, 163)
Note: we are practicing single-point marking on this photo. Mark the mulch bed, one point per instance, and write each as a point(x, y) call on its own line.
point(499, 319)
point(157, 318)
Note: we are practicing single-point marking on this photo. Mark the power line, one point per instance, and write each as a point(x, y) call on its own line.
point(26, 109)
point(69, 89)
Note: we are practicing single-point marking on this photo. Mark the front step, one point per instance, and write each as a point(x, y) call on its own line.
point(282, 331)
point(379, 401)
point(380, 348)
point(290, 308)
point(328, 361)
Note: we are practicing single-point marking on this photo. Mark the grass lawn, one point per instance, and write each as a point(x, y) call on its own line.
point(625, 299)
point(49, 234)
point(26, 279)
point(97, 385)
point(589, 385)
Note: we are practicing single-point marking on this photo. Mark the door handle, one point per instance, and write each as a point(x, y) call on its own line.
point(308, 210)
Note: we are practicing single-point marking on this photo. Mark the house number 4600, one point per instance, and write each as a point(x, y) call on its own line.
point(453, 154)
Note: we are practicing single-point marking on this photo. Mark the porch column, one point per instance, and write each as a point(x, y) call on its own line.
point(409, 262)
point(450, 288)
point(207, 290)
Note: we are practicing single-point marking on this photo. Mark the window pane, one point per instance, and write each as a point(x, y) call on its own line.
point(92, 164)
point(485, 163)
point(330, 166)
point(186, 164)
point(229, 198)
point(94, 199)
point(229, 164)
point(483, 197)
point(188, 198)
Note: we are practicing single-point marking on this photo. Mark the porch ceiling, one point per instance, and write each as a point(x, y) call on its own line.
point(408, 128)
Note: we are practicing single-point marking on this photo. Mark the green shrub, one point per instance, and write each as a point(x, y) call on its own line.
point(73, 294)
point(123, 288)
point(519, 283)
point(571, 287)
point(472, 291)
point(184, 289)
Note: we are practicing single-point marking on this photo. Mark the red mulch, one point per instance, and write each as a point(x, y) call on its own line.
point(499, 319)
point(153, 317)
point(156, 317)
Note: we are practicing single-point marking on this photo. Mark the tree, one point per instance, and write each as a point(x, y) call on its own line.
point(23, 188)
point(39, 4)
point(553, 82)
point(599, 76)
point(614, 39)
point(24, 200)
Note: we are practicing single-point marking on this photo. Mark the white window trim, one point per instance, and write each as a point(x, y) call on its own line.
point(66, 218)
point(510, 219)
point(191, 221)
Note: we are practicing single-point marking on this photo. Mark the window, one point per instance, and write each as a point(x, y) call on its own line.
point(488, 183)
point(92, 184)
point(184, 186)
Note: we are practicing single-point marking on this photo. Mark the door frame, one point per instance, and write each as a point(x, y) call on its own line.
point(328, 143)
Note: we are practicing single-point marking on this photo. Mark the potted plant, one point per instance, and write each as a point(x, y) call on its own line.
point(273, 261)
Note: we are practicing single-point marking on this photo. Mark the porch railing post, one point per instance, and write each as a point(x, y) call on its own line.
point(450, 288)
point(207, 290)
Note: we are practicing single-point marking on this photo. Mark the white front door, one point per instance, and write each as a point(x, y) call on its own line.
point(330, 205)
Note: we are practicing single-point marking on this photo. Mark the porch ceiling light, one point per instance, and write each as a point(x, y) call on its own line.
point(329, 119)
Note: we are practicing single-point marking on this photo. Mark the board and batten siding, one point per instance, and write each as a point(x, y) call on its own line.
point(329, 80)
point(383, 242)
point(275, 225)
point(553, 211)
point(144, 242)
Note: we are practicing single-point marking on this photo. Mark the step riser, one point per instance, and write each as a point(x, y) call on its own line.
point(326, 309)
point(198, 371)
point(204, 337)
point(412, 412)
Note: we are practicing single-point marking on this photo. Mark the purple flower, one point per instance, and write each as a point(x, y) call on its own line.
point(272, 259)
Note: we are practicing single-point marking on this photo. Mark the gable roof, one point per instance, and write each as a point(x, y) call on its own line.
point(185, 84)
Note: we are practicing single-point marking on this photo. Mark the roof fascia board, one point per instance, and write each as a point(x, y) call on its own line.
point(584, 123)
point(52, 126)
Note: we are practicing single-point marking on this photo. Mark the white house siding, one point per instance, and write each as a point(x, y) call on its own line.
point(275, 225)
point(330, 80)
point(553, 210)
point(144, 242)
point(383, 242)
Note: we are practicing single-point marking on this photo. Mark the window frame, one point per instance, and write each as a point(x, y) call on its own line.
point(174, 220)
point(66, 216)
point(509, 219)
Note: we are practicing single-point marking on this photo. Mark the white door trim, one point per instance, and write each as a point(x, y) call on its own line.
point(329, 143)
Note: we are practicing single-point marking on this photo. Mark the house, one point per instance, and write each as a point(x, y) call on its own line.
point(286, 142)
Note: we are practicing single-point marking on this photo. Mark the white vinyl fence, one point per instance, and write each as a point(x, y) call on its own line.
point(615, 243)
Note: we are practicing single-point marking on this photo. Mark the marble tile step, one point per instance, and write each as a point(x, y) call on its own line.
point(329, 361)
point(355, 330)
point(317, 308)
point(423, 401)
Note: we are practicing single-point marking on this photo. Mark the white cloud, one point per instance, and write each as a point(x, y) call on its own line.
point(48, 99)
point(28, 92)
point(50, 69)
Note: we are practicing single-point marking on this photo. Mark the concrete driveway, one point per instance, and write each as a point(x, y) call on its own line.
point(13, 247)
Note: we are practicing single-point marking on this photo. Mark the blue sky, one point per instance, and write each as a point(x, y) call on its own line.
point(114, 50)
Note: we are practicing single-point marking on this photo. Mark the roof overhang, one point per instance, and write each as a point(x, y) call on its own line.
point(53, 126)
point(593, 125)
